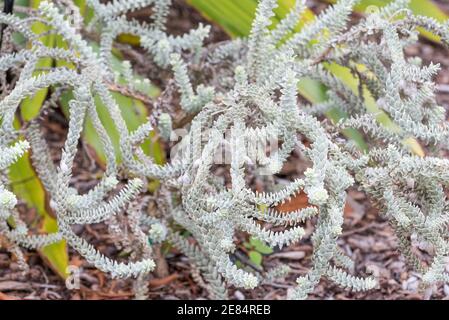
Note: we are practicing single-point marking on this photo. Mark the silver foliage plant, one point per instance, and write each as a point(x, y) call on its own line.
point(247, 87)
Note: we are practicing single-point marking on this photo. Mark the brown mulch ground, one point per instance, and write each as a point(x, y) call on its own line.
point(367, 238)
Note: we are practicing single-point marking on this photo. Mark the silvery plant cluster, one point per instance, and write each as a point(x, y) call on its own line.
point(239, 95)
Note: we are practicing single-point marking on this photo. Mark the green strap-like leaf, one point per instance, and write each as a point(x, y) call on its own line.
point(27, 186)
point(24, 180)
point(30, 107)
